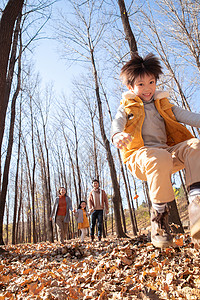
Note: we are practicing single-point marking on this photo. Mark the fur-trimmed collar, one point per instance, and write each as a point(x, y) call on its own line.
point(158, 95)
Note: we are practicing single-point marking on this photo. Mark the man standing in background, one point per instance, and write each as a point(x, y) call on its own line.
point(96, 203)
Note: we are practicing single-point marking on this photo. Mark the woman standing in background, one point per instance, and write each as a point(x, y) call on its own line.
point(60, 214)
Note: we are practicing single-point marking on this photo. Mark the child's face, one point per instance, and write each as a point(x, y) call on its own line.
point(144, 87)
point(83, 205)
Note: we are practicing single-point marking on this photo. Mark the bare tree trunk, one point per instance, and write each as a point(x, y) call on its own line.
point(92, 113)
point(133, 220)
point(135, 189)
point(28, 217)
point(73, 169)
point(48, 190)
point(112, 219)
point(95, 150)
point(123, 218)
point(63, 175)
point(29, 183)
point(19, 209)
point(131, 200)
point(32, 180)
point(7, 222)
point(129, 206)
point(44, 189)
point(7, 22)
point(47, 186)
point(77, 162)
point(146, 188)
point(16, 182)
point(23, 225)
point(38, 218)
point(184, 187)
point(10, 144)
point(127, 28)
point(116, 190)
point(146, 195)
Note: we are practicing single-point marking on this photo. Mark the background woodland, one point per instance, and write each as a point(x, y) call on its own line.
point(50, 139)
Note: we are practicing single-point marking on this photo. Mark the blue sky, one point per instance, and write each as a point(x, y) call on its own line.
point(50, 66)
point(48, 62)
point(47, 56)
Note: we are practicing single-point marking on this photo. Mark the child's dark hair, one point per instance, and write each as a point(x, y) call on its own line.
point(139, 66)
point(79, 207)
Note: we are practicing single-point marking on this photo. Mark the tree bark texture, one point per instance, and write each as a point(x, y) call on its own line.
point(116, 190)
point(73, 169)
point(133, 219)
point(11, 130)
point(16, 184)
point(7, 23)
point(127, 28)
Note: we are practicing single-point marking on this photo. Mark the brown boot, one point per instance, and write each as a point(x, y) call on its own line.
point(160, 231)
point(92, 238)
point(99, 238)
point(194, 216)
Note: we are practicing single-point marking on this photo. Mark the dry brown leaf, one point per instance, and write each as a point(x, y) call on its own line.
point(8, 295)
point(103, 296)
point(128, 280)
point(126, 261)
point(5, 279)
point(179, 242)
point(113, 269)
point(116, 269)
point(27, 271)
point(166, 287)
point(73, 293)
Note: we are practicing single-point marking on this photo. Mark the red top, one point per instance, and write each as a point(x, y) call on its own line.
point(62, 207)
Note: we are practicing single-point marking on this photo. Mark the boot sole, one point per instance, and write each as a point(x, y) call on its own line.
point(195, 231)
point(158, 244)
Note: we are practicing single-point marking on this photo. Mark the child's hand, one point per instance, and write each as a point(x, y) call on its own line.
point(121, 139)
point(91, 210)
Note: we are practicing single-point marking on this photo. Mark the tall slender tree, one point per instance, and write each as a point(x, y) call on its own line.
point(4, 186)
point(7, 25)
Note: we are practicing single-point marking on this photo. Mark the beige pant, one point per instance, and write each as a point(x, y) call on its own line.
point(62, 228)
point(156, 165)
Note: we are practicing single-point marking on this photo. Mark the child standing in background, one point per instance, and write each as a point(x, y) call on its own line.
point(82, 219)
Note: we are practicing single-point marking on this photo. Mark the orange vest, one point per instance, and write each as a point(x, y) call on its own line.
point(175, 131)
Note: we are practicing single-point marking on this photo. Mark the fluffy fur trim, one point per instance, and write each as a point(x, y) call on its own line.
point(158, 95)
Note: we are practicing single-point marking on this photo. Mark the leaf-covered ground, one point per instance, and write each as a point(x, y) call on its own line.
point(111, 269)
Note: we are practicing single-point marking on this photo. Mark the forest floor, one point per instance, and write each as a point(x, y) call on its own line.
point(125, 268)
point(128, 268)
